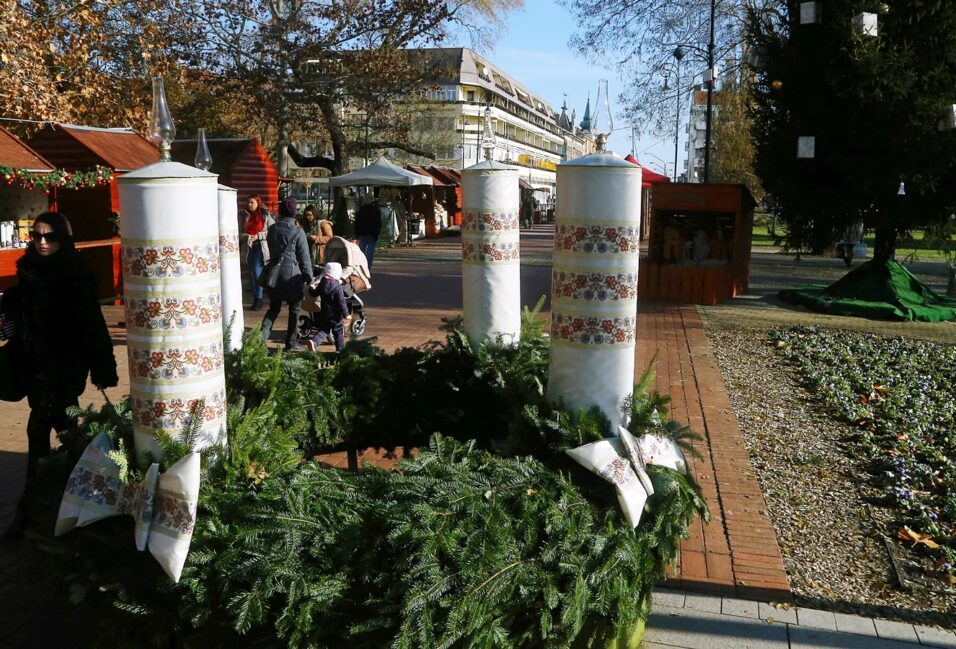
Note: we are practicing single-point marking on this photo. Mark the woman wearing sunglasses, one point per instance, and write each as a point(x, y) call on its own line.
point(60, 334)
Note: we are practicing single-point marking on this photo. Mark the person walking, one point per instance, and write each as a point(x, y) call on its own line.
point(255, 228)
point(59, 334)
point(288, 248)
point(368, 224)
point(318, 232)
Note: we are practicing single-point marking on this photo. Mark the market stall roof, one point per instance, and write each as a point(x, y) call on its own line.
point(381, 172)
point(648, 176)
point(446, 174)
point(69, 146)
point(523, 184)
point(422, 171)
point(15, 153)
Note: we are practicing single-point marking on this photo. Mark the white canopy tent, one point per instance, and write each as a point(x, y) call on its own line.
point(380, 173)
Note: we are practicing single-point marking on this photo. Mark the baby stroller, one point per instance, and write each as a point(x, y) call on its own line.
point(356, 278)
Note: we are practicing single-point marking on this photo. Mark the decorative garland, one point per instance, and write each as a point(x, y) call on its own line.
point(47, 181)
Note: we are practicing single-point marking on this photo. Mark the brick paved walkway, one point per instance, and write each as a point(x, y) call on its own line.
point(736, 554)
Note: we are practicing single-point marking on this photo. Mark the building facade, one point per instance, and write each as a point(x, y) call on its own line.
point(448, 120)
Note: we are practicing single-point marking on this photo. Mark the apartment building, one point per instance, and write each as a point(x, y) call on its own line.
point(697, 136)
point(449, 120)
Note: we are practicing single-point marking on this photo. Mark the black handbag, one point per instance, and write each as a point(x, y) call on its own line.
point(269, 277)
point(12, 387)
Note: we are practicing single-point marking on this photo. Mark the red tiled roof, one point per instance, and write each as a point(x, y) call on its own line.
point(79, 147)
point(437, 181)
point(447, 175)
point(15, 153)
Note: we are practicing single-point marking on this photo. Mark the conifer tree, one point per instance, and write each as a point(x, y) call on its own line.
point(872, 103)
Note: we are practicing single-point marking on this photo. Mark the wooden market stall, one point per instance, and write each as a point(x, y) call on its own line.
point(19, 202)
point(649, 178)
point(451, 196)
point(242, 163)
point(699, 246)
point(94, 211)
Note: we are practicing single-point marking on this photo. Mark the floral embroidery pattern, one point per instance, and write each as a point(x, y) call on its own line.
point(229, 244)
point(597, 238)
point(173, 363)
point(488, 251)
point(174, 414)
point(173, 313)
point(174, 513)
point(594, 286)
point(592, 330)
point(618, 471)
point(489, 221)
point(171, 261)
point(94, 487)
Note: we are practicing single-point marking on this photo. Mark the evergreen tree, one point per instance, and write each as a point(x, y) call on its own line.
point(872, 103)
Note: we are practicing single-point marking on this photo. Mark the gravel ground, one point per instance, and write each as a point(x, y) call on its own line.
point(827, 532)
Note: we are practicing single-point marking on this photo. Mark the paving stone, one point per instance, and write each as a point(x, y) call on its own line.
point(740, 608)
point(810, 617)
point(933, 637)
point(668, 597)
point(705, 603)
point(892, 630)
point(689, 629)
point(854, 624)
point(779, 615)
point(807, 638)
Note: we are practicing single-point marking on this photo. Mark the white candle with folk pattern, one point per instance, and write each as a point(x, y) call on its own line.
point(594, 284)
point(169, 228)
point(230, 272)
point(491, 271)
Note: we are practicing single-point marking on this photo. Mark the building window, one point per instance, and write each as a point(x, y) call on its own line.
point(471, 95)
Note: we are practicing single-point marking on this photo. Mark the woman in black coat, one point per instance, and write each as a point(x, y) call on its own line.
point(60, 335)
point(289, 248)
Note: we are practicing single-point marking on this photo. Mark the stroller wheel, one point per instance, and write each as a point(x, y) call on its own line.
point(304, 326)
point(358, 326)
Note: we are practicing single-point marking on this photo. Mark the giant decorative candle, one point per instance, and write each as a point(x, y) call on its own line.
point(169, 228)
point(594, 284)
point(491, 277)
point(231, 275)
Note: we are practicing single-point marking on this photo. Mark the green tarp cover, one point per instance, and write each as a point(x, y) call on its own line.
point(876, 290)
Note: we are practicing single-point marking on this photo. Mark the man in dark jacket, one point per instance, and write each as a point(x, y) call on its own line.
point(368, 223)
point(288, 248)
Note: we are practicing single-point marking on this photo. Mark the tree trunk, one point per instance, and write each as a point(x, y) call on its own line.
point(951, 287)
point(884, 247)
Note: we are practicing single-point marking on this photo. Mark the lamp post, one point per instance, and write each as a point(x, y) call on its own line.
point(678, 55)
point(711, 83)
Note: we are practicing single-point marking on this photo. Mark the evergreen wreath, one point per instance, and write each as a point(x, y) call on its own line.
point(489, 536)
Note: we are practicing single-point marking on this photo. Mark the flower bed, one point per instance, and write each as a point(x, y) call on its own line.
point(900, 395)
point(489, 536)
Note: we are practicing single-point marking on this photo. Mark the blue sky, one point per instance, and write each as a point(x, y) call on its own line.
point(533, 48)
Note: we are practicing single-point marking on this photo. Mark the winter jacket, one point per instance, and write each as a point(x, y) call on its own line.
point(334, 306)
point(321, 229)
point(296, 267)
point(60, 331)
point(368, 221)
point(247, 241)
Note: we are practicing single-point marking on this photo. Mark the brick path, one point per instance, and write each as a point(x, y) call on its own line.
point(736, 554)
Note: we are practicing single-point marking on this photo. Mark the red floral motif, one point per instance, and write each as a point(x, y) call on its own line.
point(174, 513)
point(593, 331)
point(600, 287)
point(228, 244)
point(173, 313)
point(490, 251)
point(597, 238)
point(618, 471)
point(489, 221)
point(170, 261)
point(172, 414)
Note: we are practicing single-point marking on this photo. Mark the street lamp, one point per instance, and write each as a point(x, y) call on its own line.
point(678, 55)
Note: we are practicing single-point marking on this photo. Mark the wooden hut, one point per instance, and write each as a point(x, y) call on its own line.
point(699, 246)
point(18, 204)
point(93, 211)
point(242, 163)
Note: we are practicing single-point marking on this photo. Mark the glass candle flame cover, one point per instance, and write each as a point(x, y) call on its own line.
point(203, 157)
point(488, 138)
point(162, 129)
point(602, 123)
